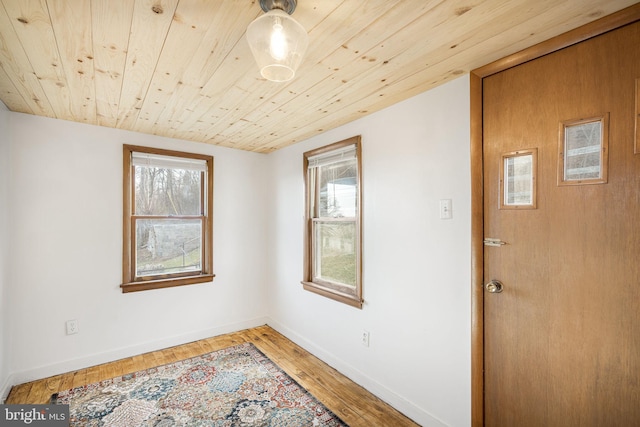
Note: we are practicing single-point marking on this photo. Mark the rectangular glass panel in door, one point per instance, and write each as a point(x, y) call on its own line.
point(518, 178)
point(583, 151)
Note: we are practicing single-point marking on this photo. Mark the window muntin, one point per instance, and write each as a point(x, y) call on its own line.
point(333, 212)
point(167, 224)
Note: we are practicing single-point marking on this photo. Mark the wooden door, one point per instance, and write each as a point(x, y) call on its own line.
point(562, 340)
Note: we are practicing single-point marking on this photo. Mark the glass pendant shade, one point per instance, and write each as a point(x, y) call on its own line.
point(278, 43)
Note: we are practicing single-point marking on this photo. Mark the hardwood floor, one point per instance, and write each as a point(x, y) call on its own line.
point(352, 403)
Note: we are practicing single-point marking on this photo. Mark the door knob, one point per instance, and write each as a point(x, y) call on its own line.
point(494, 286)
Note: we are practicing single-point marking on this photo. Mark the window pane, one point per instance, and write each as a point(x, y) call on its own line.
point(338, 184)
point(168, 246)
point(518, 180)
point(164, 191)
point(335, 246)
point(583, 147)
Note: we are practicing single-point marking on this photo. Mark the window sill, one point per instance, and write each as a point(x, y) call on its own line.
point(165, 283)
point(348, 299)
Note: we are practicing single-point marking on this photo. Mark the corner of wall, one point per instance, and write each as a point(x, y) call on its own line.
point(414, 154)
point(5, 140)
point(406, 407)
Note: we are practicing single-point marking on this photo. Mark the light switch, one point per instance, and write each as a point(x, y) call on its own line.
point(446, 209)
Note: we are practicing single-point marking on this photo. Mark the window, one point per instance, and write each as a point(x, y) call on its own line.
point(518, 179)
point(583, 151)
point(167, 222)
point(333, 245)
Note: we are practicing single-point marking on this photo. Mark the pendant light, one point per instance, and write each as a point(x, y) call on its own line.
point(277, 41)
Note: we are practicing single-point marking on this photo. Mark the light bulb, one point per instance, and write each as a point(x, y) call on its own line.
point(278, 47)
point(278, 43)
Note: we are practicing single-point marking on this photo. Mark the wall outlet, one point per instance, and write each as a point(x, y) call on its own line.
point(72, 327)
point(364, 338)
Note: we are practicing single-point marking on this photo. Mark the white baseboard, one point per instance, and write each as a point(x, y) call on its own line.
point(389, 396)
point(401, 404)
point(121, 353)
point(5, 388)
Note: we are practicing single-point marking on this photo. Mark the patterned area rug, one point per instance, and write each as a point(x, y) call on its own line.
point(237, 386)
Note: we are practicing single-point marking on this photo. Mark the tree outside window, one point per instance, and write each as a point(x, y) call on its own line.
point(167, 218)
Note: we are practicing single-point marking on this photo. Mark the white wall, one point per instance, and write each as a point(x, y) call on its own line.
point(4, 248)
point(63, 209)
point(65, 234)
point(416, 266)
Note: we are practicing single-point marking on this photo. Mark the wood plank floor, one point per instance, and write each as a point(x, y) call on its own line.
point(356, 406)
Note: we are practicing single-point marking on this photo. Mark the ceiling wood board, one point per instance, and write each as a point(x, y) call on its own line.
point(183, 68)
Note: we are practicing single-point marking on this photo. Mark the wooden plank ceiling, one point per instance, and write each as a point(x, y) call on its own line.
point(183, 69)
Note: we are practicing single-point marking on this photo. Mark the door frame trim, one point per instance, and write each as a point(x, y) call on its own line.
point(611, 22)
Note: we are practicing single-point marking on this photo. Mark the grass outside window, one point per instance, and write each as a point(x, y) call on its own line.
point(333, 260)
point(167, 223)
